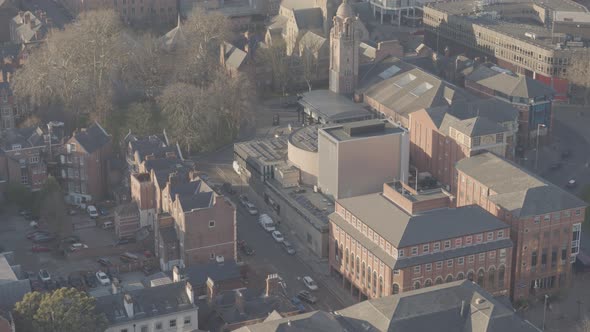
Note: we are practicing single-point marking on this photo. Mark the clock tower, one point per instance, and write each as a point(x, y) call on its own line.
point(344, 50)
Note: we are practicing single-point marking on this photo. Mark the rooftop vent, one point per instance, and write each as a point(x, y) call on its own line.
point(364, 128)
point(479, 300)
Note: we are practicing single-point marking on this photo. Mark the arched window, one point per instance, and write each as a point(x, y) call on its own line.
point(363, 271)
point(358, 267)
point(480, 277)
point(428, 283)
point(470, 276)
point(374, 281)
point(460, 276)
point(449, 278)
point(369, 277)
point(380, 285)
point(336, 252)
point(346, 259)
point(417, 285)
point(501, 272)
point(395, 289)
point(352, 262)
point(438, 281)
point(492, 277)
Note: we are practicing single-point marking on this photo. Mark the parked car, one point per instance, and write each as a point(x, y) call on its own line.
point(75, 281)
point(105, 262)
point(103, 279)
point(266, 223)
point(61, 282)
point(72, 212)
point(44, 275)
point(128, 257)
point(90, 280)
point(43, 238)
point(244, 199)
point(571, 184)
point(33, 234)
point(288, 247)
point(309, 283)
point(252, 210)
point(307, 297)
point(50, 285)
point(107, 225)
point(125, 240)
point(277, 236)
point(245, 248)
point(227, 187)
point(38, 248)
point(103, 211)
point(78, 246)
point(298, 304)
point(71, 239)
point(92, 212)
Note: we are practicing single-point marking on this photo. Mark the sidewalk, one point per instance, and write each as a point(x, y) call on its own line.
point(318, 265)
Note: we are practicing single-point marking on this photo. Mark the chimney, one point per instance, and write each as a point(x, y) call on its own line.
point(128, 303)
point(272, 284)
point(190, 293)
point(27, 18)
point(176, 274)
point(211, 290)
point(240, 302)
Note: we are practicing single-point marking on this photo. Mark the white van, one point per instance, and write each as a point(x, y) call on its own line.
point(92, 212)
point(266, 222)
point(107, 225)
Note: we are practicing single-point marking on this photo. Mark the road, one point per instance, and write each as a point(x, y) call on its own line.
point(57, 13)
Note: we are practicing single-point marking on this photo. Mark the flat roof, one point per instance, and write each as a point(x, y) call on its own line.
point(423, 194)
point(270, 151)
point(362, 129)
point(305, 138)
point(333, 107)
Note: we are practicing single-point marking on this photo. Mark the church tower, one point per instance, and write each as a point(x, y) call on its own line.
point(344, 50)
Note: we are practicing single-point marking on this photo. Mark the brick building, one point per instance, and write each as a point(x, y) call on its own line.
point(441, 136)
point(83, 165)
point(531, 98)
point(143, 193)
point(401, 240)
point(127, 220)
point(545, 221)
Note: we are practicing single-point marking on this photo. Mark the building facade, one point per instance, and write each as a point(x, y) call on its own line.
point(381, 248)
point(545, 221)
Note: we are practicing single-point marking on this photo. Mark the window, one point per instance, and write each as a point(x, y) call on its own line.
point(554, 258)
point(556, 216)
point(547, 217)
point(447, 244)
point(503, 253)
point(480, 277)
point(414, 251)
point(124, 330)
point(501, 272)
point(187, 320)
point(499, 138)
point(460, 260)
point(400, 253)
point(449, 263)
point(369, 277)
point(468, 240)
point(492, 254)
point(438, 281)
point(417, 285)
point(34, 159)
point(500, 234)
point(428, 283)
point(425, 248)
point(491, 277)
point(417, 269)
point(158, 325)
point(428, 267)
point(211, 255)
point(490, 236)
point(460, 276)
point(143, 328)
point(439, 265)
point(482, 256)
point(567, 213)
point(578, 212)
point(478, 238)
point(537, 219)
point(395, 272)
point(436, 246)
point(395, 289)
point(211, 223)
point(544, 258)
point(172, 323)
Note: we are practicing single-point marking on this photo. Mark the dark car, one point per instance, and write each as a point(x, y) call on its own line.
point(43, 238)
point(105, 262)
point(244, 199)
point(103, 211)
point(245, 248)
point(50, 285)
point(226, 187)
point(307, 297)
point(90, 280)
point(288, 247)
point(33, 234)
point(75, 281)
point(38, 248)
point(71, 239)
point(298, 304)
point(125, 240)
point(61, 282)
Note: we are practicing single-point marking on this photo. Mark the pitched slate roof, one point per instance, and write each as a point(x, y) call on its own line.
point(197, 275)
point(93, 138)
point(234, 57)
point(185, 189)
point(317, 321)
point(515, 189)
point(12, 289)
point(198, 201)
point(33, 31)
point(309, 18)
point(509, 83)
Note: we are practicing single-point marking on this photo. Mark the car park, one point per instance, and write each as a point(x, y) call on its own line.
point(296, 302)
point(39, 248)
point(75, 281)
point(266, 222)
point(71, 239)
point(105, 262)
point(252, 210)
point(92, 212)
point(44, 275)
point(307, 297)
point(78, 246)
point(277, 236)
point(128, 257)
point(43, 238)
point(310, 283)
point(103, 279)
point(103, 211)
point(288, 247)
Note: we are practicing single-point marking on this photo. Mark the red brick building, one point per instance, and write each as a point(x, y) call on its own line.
point(83, 165)
point(400, 240)
point(545, 221)
point(441, 136)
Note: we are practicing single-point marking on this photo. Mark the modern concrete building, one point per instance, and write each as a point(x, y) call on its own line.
point(441, 136)
point(545, 221)
point(356, 158)
point(534, 38)
point(325, 106)
point(530, 97)
point(398, 9)
point(403, 239)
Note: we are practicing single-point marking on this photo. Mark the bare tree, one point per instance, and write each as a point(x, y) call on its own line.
point(276, 57)
point(578, 73)
point(310, 52)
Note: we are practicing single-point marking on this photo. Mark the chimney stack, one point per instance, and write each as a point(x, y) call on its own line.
point(272, 284)
point(128, 303)
point(190, 293)
point(211, 290)
point(176, 274)
point(240, 302)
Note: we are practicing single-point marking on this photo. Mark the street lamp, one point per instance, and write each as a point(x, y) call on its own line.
point(539, 126)
point(544, 311)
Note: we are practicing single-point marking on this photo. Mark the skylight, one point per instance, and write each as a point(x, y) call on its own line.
point(407, 78)
point(420, 89)
point(389, 72)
